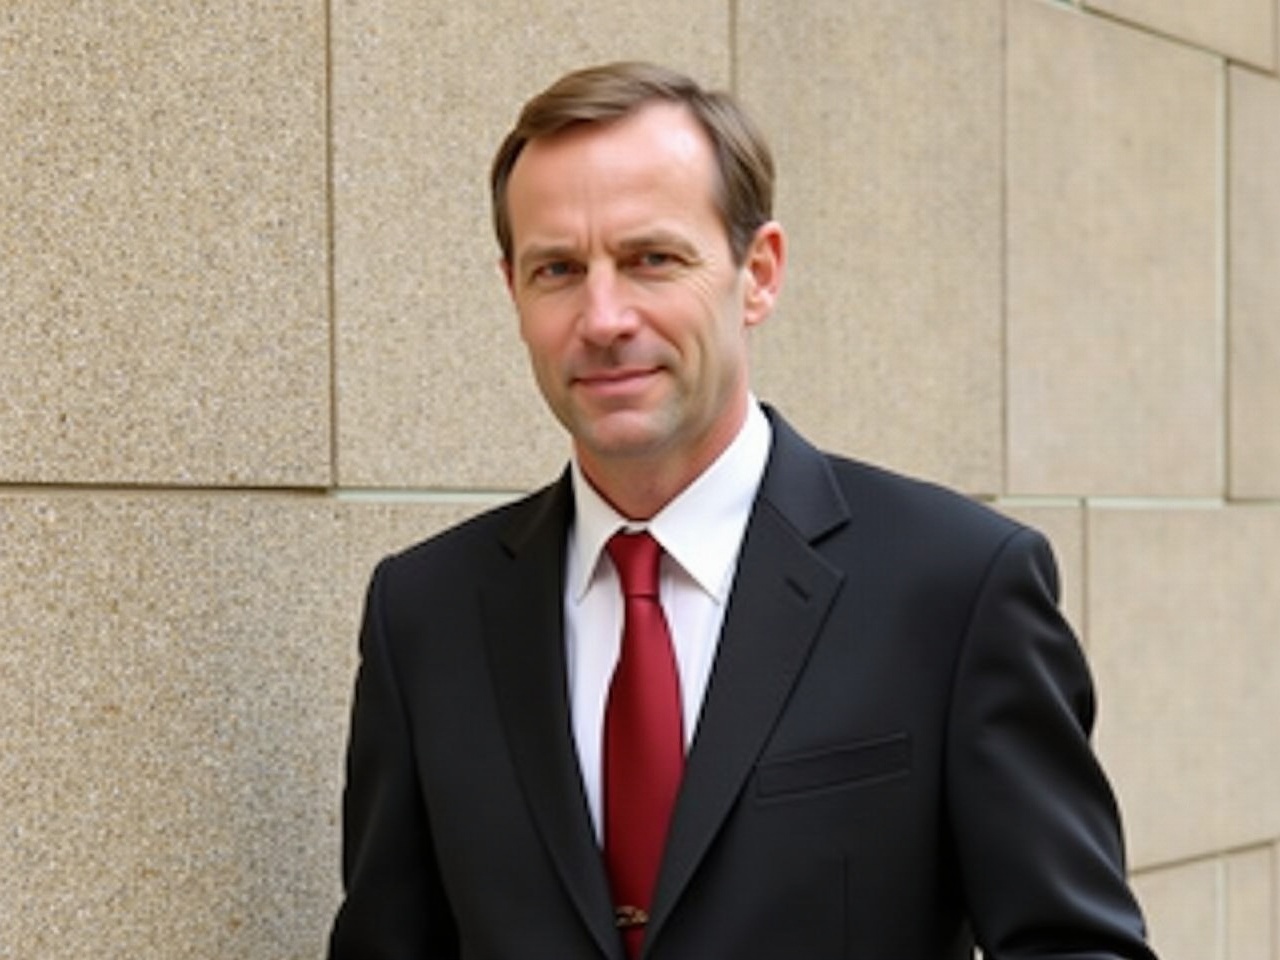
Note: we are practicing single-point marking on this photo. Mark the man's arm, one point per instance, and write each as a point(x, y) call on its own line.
point(1033, 816)
point(395, 907)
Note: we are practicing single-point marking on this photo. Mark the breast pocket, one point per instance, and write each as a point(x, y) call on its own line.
point(859, 764)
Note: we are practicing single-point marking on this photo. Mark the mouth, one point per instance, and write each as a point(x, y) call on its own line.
point(620, 382)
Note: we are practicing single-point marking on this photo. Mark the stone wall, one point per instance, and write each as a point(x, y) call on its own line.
point(252, 337)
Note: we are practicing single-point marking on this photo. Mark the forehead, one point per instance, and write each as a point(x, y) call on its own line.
point(659, 149)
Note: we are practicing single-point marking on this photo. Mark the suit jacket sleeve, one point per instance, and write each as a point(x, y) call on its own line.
point(395, 907)
point(1034, 819)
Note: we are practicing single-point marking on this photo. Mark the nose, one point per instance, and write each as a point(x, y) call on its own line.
point(607, 313)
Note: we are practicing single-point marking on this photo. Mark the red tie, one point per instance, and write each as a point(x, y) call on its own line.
point(643, 739)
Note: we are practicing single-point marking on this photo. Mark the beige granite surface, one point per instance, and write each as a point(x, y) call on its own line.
point(174, 684)
point(1240, 29)
point(1254, 293)
point(1222, 906)
point(163, 316)
point(886, 122)
point(1252, 904)
point(1114, 305)
point(1183, 909)
point(1184, 616)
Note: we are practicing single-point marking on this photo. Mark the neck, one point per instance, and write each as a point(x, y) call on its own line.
point(638, 490)
point(639, 486)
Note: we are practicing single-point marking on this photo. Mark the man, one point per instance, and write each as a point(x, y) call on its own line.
point(846, 719)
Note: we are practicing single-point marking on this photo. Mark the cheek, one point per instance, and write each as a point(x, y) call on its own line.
point(546, 321)
point(548, 358)
point(536, 333)
point(541, 357)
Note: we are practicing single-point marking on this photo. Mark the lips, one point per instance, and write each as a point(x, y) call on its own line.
point(616, 383)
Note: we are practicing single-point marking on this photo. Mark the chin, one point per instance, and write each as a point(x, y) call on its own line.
point(625, 436)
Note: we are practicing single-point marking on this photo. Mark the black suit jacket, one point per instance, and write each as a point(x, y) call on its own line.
point(892, 758)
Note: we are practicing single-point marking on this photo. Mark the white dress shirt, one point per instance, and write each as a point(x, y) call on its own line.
point(701, 533)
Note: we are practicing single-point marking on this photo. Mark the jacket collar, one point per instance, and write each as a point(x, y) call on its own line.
point(781, 594)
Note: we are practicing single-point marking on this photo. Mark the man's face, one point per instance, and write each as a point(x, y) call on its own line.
point(630, 304)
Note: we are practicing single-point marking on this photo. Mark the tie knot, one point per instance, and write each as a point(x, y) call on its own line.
point(636, 555)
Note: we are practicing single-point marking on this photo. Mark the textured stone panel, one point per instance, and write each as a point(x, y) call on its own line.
point(1251, 905)
point(1240, 29)
point(433, 384)
point(1114, 335)
point(1254, 265)
point(162, 243)
point(1182, 909)
point(1184, 616)
point(174, 684)
point(886, 124)
point(1064, 526)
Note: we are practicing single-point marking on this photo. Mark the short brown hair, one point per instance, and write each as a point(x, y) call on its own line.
point(744, 197)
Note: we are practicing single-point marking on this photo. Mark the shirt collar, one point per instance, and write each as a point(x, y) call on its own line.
point(701, 529)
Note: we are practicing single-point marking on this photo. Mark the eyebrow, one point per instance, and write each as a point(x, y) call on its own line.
point(659, 238)
point(537, 253)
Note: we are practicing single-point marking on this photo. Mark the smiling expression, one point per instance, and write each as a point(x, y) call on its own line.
point(630, 303)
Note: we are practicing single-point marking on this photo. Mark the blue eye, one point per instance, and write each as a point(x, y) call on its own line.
point(656, 260)
point(554, 270)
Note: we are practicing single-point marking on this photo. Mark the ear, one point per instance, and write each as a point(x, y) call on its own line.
point(763, 266)
point(504, 265)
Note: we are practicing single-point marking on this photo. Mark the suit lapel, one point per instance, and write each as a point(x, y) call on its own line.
point(524, 634)
point(781, 594)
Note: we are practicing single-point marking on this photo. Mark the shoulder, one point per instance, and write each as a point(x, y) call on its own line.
point(927, 545)
point(820, 492)
point(939, 536)
point(877, 495)
point(468, 548)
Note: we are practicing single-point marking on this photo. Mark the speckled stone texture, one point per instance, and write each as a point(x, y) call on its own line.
point(1114, 315)
point(1241, 29)
point(162, 243)
point(174, 684)
point(1220, 906)
point(886, 122)
point(1254, 291)
point(1184, 627)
